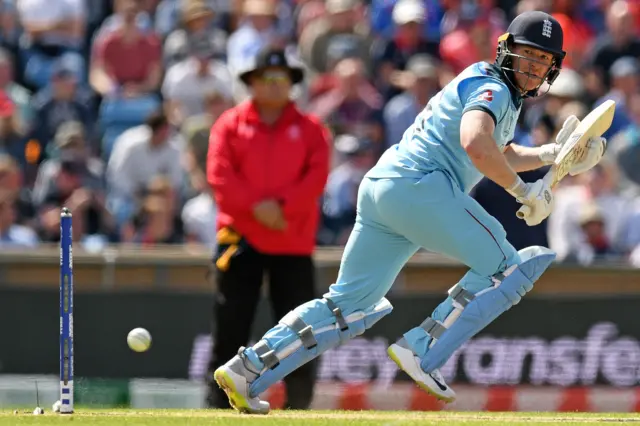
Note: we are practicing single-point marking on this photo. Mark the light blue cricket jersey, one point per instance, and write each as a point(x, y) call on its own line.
point(433, 141)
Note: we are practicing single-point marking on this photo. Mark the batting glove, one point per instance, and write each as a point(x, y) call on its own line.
point(593, 152)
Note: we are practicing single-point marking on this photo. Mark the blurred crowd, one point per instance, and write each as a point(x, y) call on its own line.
point(106, 106)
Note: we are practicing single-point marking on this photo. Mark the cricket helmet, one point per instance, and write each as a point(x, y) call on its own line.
point(536, 29)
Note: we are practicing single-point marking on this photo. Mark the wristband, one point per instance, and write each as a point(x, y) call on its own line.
point(518, 189)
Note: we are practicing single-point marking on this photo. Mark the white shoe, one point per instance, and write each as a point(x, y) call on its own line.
point(432, 383)
point(232, 379)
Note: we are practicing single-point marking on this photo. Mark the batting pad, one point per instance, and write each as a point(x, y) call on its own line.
point(305, 333)
point(468, 312)
point(488, 304)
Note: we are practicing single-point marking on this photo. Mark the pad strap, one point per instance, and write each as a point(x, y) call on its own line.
point(433, 328)
point(342, 323)
point(304, 331)
point(461, 296)
point(266, 355)
point(499, 277)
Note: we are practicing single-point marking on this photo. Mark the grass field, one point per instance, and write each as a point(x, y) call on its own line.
point(309, 418)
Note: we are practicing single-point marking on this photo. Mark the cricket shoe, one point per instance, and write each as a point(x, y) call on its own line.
point(433, 383)
point(234, 379)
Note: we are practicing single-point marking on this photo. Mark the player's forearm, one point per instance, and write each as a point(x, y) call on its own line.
point(486, 156)
point(523, 158)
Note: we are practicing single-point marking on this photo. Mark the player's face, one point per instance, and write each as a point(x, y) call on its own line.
point(533, 65)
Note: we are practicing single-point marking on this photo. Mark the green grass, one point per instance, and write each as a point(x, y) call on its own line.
point(310, 418)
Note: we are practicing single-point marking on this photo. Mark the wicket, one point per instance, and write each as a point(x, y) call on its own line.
point(66, 313)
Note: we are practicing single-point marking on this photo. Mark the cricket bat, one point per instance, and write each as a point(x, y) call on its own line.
point(593, 125)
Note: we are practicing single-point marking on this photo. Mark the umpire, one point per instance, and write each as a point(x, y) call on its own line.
point(267, 164)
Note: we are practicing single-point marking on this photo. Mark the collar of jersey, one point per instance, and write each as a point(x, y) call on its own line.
point(516, 97)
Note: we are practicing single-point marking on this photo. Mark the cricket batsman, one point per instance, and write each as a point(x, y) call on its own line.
point(417, 196)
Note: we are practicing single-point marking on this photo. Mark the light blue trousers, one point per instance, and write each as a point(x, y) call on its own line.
point(397, 216)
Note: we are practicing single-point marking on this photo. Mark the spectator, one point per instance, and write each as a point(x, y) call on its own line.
point(381, 16)
point(393, 55)
point(420, 82)
point(13, 235)
point(619, 40)
point(91, 217)
point(10, 29)
point(341, 194)
point(307, 11)
point(52, 29)
point(343, 18)
point(61, 101)
point(472, 41)
point(13, 142)
point(189, 81)
point(144, 22)
point(216, 102)
point(458, 13)
point(200, 212)
point(595, 243)
point(97, 14)
point(11, 181)
point(597, 186)
point(168, 15)
point(127, 61)
point(353, 106)
point(625, 82)
point(197, 18)
point(624, 149)
point(340, 47)
point(19, 95)
point(140, 155)
point(189, 139)
point(257, 29)
point(126, 71)
point(70, 147)
point(265, 225)
point(285, 23)
point(73, 179)
point(157, 220)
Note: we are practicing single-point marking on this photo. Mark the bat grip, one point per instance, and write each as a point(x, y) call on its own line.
point(548, 180)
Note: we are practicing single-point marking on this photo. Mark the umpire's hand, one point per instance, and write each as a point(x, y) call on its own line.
point(269, 213)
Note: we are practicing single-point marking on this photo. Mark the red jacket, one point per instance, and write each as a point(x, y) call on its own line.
point(250, 161)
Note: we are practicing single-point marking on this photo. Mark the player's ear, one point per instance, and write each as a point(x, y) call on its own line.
point(552, 75)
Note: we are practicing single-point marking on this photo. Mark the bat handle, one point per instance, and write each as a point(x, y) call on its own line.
point(548, 177)
point(523, 211)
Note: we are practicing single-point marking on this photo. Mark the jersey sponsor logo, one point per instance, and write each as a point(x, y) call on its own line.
point(487, 95)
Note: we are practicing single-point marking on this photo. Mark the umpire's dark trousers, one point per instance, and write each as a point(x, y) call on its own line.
point(291, 283)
